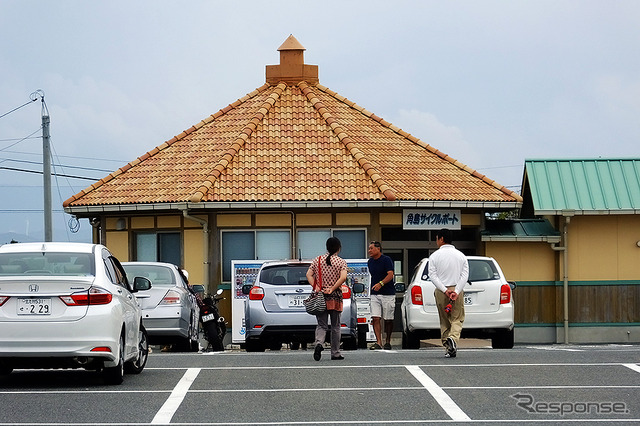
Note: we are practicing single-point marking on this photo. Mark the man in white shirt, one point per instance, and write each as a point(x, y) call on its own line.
point(449, 272)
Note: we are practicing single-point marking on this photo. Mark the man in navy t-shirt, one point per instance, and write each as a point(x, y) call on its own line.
point(383, 294)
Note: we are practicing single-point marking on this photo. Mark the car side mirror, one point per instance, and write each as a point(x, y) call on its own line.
point(246, 289)
point(141, 284)
point(400, 287)
point(512, 284)
point(358, 288)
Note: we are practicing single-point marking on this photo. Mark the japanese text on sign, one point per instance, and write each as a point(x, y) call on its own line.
point(431, 219)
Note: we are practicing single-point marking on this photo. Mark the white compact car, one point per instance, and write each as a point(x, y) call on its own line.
point(488, 305)
point(69, 305)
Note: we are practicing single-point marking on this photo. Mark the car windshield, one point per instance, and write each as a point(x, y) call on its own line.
point(160, 276)
point(47, 263)
point(479, 270)
point(284, 274)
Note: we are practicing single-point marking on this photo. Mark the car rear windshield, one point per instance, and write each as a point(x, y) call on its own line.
point(46, 263)
point(158, 275)
point(479, 270)
point(285, 274)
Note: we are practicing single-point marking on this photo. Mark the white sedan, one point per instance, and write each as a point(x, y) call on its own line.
point(488, 305)
point(170, 311)
point(69, 305)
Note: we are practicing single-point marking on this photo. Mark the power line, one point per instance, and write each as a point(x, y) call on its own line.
point(71, 156)
point(20, 139)
point(26, 137)
point(33, 99)
point(60, 165)
point(40, 172)
point(28, 211)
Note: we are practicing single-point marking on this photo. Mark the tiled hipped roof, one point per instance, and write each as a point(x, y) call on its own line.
point(292, 141)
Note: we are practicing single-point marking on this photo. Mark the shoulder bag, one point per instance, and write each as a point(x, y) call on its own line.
point(315, 303)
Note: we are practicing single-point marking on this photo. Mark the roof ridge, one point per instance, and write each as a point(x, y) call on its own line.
point(238, 143)
point(166, 144)
point(341, 134)
point(419, 142)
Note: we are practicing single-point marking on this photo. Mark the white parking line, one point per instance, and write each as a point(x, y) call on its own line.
point(441, 397)
point(170, 406)
point(634, 367)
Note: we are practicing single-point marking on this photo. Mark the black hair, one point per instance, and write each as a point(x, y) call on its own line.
point(333, 246)
point(376, 244)
point(446, 235)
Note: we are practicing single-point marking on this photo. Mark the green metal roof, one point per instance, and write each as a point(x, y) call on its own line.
point(520, 230)
point(587, 186)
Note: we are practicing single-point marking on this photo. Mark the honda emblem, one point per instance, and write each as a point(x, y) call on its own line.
point(33, 288)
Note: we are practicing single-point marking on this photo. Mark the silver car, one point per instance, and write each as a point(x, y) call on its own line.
point(69, 305)
point(488, 305)
point(170, 312)
point(275, 314)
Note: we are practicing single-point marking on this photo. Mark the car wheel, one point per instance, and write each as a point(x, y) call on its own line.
point(410, 340)
point(254, 346)
point(350, 344)
point(189, 343)
point(503, 339)
point(194, 344)
point(137, 365)
point(5, 370)
point(115, 375)
point(362, 339)
point(275, 345)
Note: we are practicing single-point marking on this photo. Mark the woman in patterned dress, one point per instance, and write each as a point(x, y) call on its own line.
point(333, 275)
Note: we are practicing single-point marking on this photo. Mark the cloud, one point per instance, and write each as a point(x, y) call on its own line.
point(427, 127)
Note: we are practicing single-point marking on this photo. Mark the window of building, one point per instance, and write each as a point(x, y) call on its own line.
point(312, 243)
point(159, 247)
point(249, 245)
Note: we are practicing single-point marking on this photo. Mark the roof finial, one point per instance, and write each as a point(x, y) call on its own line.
point(292, 69)
point(291, 43)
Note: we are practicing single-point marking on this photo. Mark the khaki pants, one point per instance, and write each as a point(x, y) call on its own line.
point(450, 323)
point(323, 327)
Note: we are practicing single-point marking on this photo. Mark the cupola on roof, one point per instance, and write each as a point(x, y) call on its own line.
point(293, 140)
point(292, 69)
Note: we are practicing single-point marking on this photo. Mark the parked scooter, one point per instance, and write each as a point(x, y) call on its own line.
point(212, 323)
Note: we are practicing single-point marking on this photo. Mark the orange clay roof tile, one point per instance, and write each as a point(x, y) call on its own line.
point(290, 142)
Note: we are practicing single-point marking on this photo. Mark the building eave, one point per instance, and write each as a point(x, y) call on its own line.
point(164, 207)
point(586, 212)
point(552, 239)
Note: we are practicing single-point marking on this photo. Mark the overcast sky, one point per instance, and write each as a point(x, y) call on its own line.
point(490, 83)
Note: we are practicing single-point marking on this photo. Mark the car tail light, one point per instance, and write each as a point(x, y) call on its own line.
point(505, 294)
point(101, 349)
point(362, 320)
point(256, 293)
point(95, 296)
point(416, 295)
point(3, 299)
point(171, 298)
point(346, 292)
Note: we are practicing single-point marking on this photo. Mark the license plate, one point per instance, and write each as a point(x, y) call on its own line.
point(35, 306)
point(468, 299)
point(296, 301)
point(207, 318)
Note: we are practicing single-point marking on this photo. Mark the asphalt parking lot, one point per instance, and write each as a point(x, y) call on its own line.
point(546, 384)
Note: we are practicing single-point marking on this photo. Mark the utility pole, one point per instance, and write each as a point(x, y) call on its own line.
point(46, 173)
